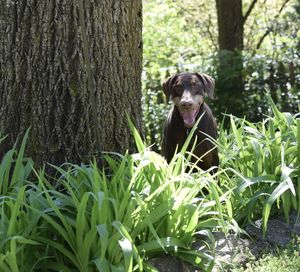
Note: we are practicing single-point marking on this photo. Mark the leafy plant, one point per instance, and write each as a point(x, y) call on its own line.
point(14, 167)
point(110, 219)
point(137, 206)
point(265, 164)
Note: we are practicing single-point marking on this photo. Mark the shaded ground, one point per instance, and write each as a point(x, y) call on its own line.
point(232, 249)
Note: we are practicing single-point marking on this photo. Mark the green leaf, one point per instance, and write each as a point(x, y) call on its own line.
point(18, 169)
point(280, 189)
point(102, 265)
point(16, 211)
point(138, 140)
point(5, 167)
point(11, 257)
point(81, 224)
point(103, 233)
point(62, 249)
point(170, 244)
point(133, 251)
point(127, 250)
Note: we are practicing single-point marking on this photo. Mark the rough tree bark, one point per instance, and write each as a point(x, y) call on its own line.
point(230, 24)
point(43, 83)
point(230, 84)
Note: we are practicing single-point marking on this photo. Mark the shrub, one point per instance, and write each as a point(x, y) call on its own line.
point(111, 219)
point(265, 163)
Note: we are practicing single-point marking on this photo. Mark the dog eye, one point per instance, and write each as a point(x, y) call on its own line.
point(177, 90)
point(197, 88)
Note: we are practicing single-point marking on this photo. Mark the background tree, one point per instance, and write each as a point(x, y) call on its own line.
point(232, 16)
point(230, 83)
point(70, 69)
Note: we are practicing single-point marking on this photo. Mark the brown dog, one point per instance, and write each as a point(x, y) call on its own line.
point(187, 91)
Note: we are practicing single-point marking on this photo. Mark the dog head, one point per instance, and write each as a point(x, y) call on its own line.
point(187, 91)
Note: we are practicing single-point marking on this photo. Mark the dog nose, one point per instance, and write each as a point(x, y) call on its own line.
point(186, 104)
point(186, 101)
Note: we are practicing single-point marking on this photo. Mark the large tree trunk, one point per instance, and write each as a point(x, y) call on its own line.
point(44, 79)
point(230, 84)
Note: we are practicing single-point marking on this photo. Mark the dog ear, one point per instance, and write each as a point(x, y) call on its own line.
point(167, 86)
point(208, 84)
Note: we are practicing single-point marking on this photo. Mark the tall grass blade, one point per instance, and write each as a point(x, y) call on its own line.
point(5, 167)
point(102, 265)
point(16, 212)
point(127, 249)
point(138, 140)
point(18, 173)
point(280, 189)
point(133, 252)
point(3, 266)
point(103, 233)
point(11, 257)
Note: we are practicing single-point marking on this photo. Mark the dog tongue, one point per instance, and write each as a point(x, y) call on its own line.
point(189, 117)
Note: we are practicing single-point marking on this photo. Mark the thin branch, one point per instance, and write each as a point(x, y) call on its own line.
point(262, 38)
point(270, 29)
point(245, 17)
point(252, 27)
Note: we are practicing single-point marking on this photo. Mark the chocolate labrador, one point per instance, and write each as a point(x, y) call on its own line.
point(187, 91)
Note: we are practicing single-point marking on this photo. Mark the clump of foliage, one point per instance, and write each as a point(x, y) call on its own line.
point(111, 219)
point(265, 163)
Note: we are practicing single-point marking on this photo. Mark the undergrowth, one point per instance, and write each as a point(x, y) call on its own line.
point(119, 217)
